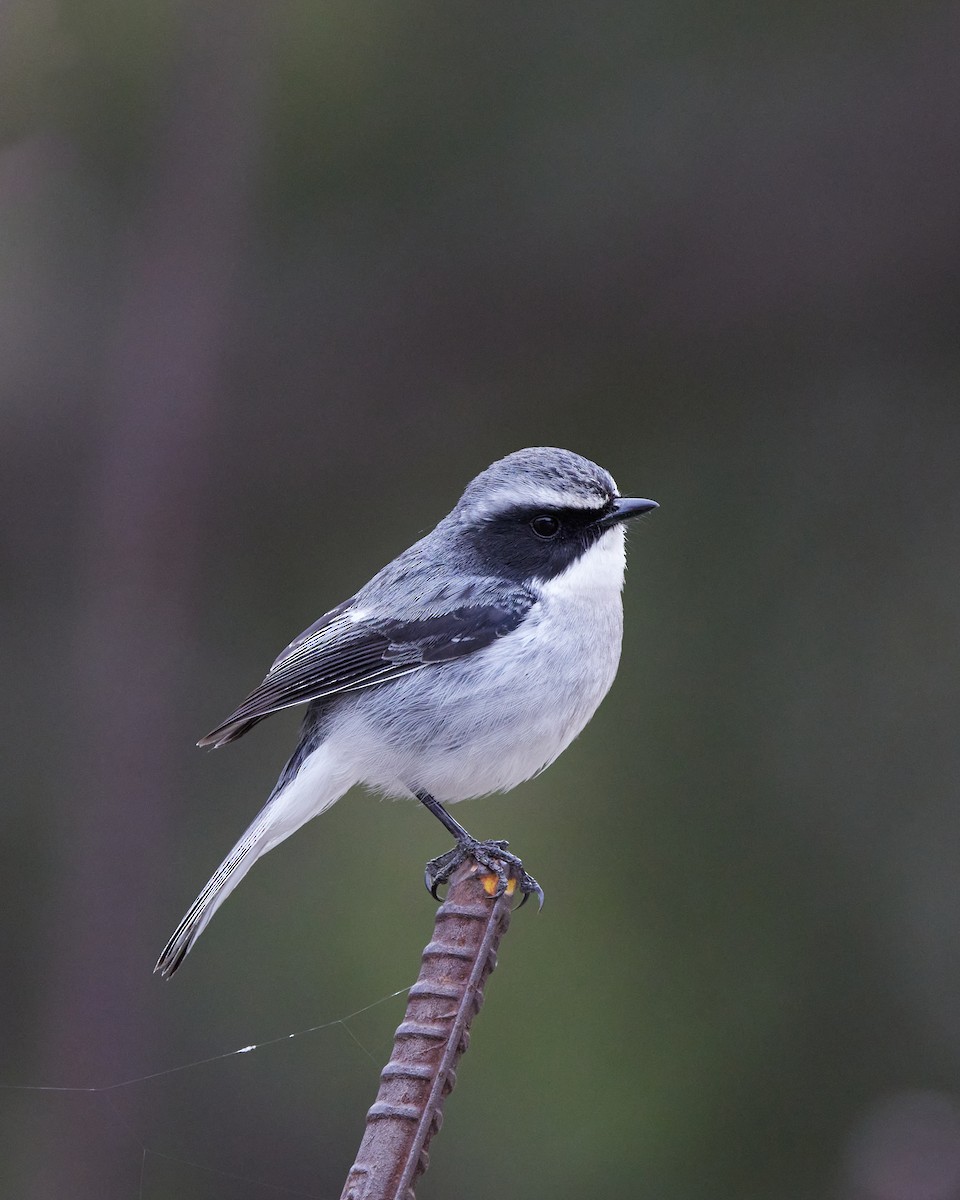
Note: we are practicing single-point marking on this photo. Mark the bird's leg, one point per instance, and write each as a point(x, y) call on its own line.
point(492, 855)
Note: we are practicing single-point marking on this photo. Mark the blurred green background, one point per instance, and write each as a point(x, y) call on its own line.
point(275, 281)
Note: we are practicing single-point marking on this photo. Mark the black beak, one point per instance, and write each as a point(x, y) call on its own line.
point(623, 508)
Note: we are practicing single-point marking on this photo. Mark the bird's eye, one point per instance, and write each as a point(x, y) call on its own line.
point(545, 526)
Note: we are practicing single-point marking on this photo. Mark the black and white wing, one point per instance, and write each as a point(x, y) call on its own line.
point(346, 650)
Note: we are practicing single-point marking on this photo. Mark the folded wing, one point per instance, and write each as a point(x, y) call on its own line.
point(346, 650)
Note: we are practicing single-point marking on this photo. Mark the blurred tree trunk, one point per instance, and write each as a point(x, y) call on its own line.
point(141, 545)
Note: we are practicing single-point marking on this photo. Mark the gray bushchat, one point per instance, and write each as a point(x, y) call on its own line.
point(462, 668)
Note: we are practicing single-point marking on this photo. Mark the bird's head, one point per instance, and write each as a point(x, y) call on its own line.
point(533, 514)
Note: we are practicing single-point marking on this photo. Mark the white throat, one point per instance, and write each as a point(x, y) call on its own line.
point(596, 574)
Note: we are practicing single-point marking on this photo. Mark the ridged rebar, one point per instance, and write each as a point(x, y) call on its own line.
point(428, 1043)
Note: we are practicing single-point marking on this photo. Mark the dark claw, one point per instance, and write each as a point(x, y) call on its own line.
point(530, 887)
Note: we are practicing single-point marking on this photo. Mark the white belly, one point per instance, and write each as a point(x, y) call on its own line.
point(487, 722)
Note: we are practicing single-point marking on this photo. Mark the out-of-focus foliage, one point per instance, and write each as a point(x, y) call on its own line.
point(275, 282)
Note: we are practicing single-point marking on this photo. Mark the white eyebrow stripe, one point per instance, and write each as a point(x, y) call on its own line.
point(508, 498)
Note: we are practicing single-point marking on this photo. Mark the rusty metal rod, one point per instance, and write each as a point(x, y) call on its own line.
point(434, 1033)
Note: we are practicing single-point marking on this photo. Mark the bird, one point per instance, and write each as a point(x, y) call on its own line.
point(464, 667)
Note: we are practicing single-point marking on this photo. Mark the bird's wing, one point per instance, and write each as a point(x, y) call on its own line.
point(346, 650)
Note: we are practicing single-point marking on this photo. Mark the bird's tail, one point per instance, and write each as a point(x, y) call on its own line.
point(218, 887)
point(307, 787)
